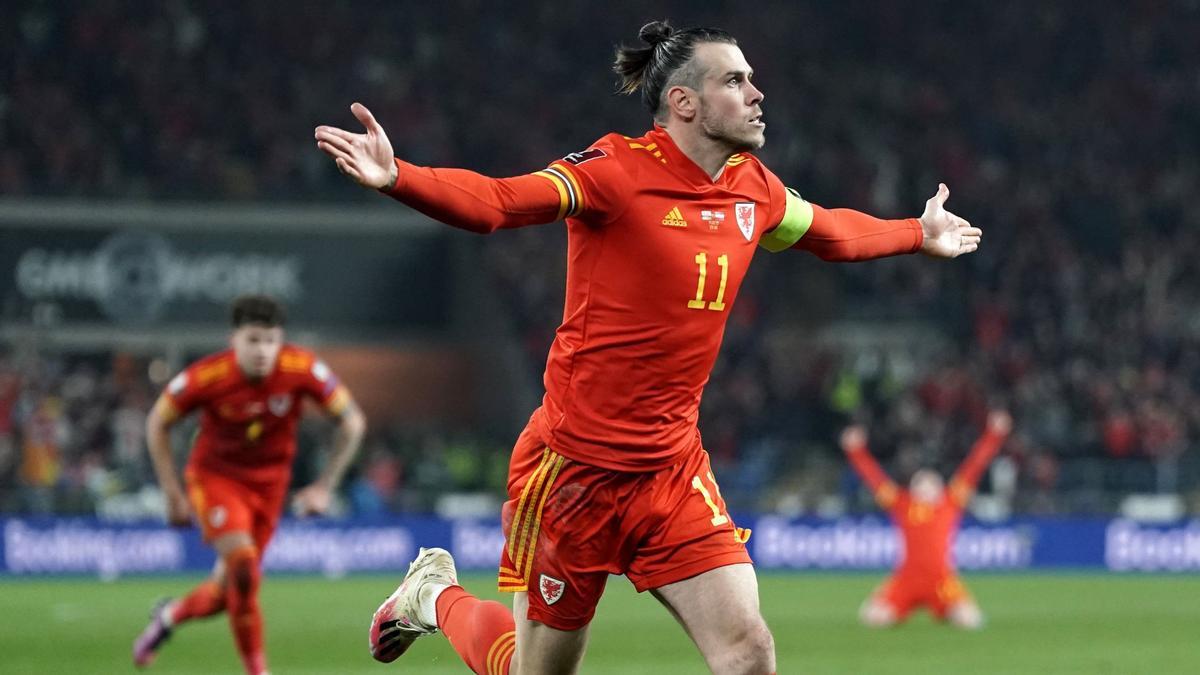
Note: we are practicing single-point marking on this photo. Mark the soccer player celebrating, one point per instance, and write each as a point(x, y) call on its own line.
point(609, 476)
point(928, 518)
point(250, 397)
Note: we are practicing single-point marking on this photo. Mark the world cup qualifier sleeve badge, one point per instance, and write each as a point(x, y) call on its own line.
point(744, 214)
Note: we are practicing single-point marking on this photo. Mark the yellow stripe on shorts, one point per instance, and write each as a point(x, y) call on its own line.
point(527, 522)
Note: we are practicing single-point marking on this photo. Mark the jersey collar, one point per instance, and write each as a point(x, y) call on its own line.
point(679, 161)
point(244, 379)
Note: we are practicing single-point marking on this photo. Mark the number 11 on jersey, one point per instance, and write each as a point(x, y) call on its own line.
point(718, 304)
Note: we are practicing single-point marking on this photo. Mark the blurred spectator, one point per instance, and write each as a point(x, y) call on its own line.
point(1075, 153)
point(43, 433)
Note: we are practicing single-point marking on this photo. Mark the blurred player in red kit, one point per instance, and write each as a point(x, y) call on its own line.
point(250, 398)
point(609, 476)
point(927, 516)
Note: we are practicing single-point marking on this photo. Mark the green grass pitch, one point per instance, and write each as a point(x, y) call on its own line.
point(1037, 624)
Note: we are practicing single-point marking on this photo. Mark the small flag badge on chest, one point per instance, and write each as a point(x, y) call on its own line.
point(713, 218)
point(744, 213)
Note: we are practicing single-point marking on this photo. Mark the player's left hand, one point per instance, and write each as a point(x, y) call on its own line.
point(313, 500)
point(946, 235)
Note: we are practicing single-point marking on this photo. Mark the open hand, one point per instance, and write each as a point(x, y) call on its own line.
point(853, 438)
point(946, 235)
point(311, 501)
point(367, 158)
point(999, 422)
point(179, 512)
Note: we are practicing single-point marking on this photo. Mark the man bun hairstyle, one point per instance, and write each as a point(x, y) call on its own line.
point(655, 32)
point(662, 62)
point(260, 310)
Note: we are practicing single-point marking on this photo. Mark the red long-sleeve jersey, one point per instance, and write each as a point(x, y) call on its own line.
point(248, 428)
point(928, 529)
point(657, 251)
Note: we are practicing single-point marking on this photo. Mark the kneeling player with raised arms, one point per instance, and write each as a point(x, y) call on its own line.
point(928, 517)
point(250, 397)
point(609, 476)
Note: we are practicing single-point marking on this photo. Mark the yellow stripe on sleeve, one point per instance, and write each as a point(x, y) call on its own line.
point(562, 191)
point(575, 184)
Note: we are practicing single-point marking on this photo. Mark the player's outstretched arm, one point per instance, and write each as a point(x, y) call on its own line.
point(314, 499)
point(158, 441)
point(962, 485)
point(457, 197)
point(854, 444)
point(846, 235)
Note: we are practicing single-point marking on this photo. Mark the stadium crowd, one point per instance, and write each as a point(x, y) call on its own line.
point(1078, 313)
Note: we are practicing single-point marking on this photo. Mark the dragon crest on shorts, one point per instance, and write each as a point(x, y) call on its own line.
point(552, 589)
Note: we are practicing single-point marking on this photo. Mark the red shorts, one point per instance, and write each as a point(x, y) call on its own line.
point(223, 506)
point(938, 593)
point(568, 526)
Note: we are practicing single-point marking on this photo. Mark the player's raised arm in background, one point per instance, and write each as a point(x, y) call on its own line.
point(849, 235)
point(962, 485)
point(463, 198)
point(336, 400)
point(163, 415)
point(854, 444)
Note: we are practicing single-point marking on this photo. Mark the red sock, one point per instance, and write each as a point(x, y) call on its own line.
point(245, 618)
point(205, 600)
point(481, 631)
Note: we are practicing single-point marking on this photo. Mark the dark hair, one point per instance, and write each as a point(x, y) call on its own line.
point(653, 67)
point(260, 310)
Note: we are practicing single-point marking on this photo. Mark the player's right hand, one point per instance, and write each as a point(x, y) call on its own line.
point(179, 512)
point(853, 438)
point(367, 158)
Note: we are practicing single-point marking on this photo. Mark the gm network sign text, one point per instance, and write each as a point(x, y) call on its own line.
point(136, 275)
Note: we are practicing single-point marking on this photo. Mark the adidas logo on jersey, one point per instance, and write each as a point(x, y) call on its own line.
point(674, 218)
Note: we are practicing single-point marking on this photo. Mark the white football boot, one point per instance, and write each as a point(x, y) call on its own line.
point(400, 620)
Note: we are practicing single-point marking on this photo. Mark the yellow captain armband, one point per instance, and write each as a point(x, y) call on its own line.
point(797, 218)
